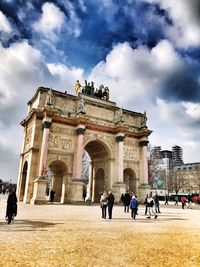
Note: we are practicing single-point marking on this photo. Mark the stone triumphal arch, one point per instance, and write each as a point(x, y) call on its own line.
point(59, 127)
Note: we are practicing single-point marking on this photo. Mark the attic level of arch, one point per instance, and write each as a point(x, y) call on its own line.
point(72, 110)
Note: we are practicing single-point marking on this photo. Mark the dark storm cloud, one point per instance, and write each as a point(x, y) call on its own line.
point(183, 84)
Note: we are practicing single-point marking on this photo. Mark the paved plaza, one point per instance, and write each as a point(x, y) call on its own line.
point(77, 236)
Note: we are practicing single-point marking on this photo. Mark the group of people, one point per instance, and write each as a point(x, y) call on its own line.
point(129, 200)
point(107, 201)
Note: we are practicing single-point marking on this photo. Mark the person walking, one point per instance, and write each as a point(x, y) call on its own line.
point(134, 207)
point(52, 195)
point(157, 203)
point(84, 195)
point(176, 200)
point(146, 204)
point(150, 202)
point(183, 202)
point(11, 209)
point(166, 199)
point(104, 204)
point(111, 200)
point(127, 199)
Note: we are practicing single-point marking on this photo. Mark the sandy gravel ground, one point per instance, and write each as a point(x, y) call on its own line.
point(77, 236)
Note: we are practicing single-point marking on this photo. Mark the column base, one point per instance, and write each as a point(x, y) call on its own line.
point(119, 188)
point(143, 190)
point(76, 188)
point(39, 191)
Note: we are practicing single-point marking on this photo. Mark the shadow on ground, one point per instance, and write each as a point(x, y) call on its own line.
point(26, 225)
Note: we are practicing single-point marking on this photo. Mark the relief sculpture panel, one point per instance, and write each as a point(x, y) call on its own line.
point(130, 153)
point(60, 143)
point(28, 138)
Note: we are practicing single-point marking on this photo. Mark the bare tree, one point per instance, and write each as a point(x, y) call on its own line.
point(152, 165)
point(177, 180)
point(195, 179)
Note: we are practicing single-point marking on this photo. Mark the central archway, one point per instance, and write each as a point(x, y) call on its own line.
point(99, 169)
point(130, 180)
point(58, 183)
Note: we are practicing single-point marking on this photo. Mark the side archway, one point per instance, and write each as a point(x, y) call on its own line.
point(130, 180)
point(23, 181)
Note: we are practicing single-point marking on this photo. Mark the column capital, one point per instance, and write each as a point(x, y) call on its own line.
point(120, 138)
point(46, 124)
point(80, 131)
point(143, 143)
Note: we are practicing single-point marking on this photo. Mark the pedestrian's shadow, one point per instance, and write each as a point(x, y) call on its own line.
point(26, 226)
point(159, 219)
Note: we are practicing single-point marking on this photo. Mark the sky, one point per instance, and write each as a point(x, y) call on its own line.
point(146, 51)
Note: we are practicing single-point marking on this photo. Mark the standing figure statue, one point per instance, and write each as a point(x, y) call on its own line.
point(120, 114)
point(100, 91)
point(92, 88)
point(81, 108)
point(144, 119)
point(106, 94)
point(50, 97)
point(77, 87)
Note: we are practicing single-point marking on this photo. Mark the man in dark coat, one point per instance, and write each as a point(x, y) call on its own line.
point(111, 200)
point(157, 203)
point(11, 209)
point(52, 195)
point(127, 200)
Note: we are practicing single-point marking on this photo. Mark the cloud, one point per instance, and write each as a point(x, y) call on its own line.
point(51, 21)
point(5, 25)
point(73, 23)
point(176, 123)
point(22, 70)
point(147, 79)
point(184, 31)
point(66, 76)
point(146, 73)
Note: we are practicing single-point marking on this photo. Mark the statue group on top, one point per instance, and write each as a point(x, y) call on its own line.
point(88, 89)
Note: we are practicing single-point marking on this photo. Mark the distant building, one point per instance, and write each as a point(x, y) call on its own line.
point(177, 155)
point(173, 160)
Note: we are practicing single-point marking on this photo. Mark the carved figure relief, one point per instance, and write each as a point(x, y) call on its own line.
point(58, 142)
point(130, 153)
point(28, 138)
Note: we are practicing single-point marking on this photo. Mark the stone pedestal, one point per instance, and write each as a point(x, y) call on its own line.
point(39, 191)
point(76, 190)
point(143, 190)
point(119, 188)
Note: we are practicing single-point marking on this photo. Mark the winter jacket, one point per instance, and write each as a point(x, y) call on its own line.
point(134, 203)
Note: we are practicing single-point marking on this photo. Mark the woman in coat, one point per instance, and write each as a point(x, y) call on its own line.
point(11, 209)
point(104, 204)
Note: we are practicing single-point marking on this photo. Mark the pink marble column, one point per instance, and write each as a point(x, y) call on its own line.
point(44, 148)
point(120, 138)
point(80, 131)
point(144, 161)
